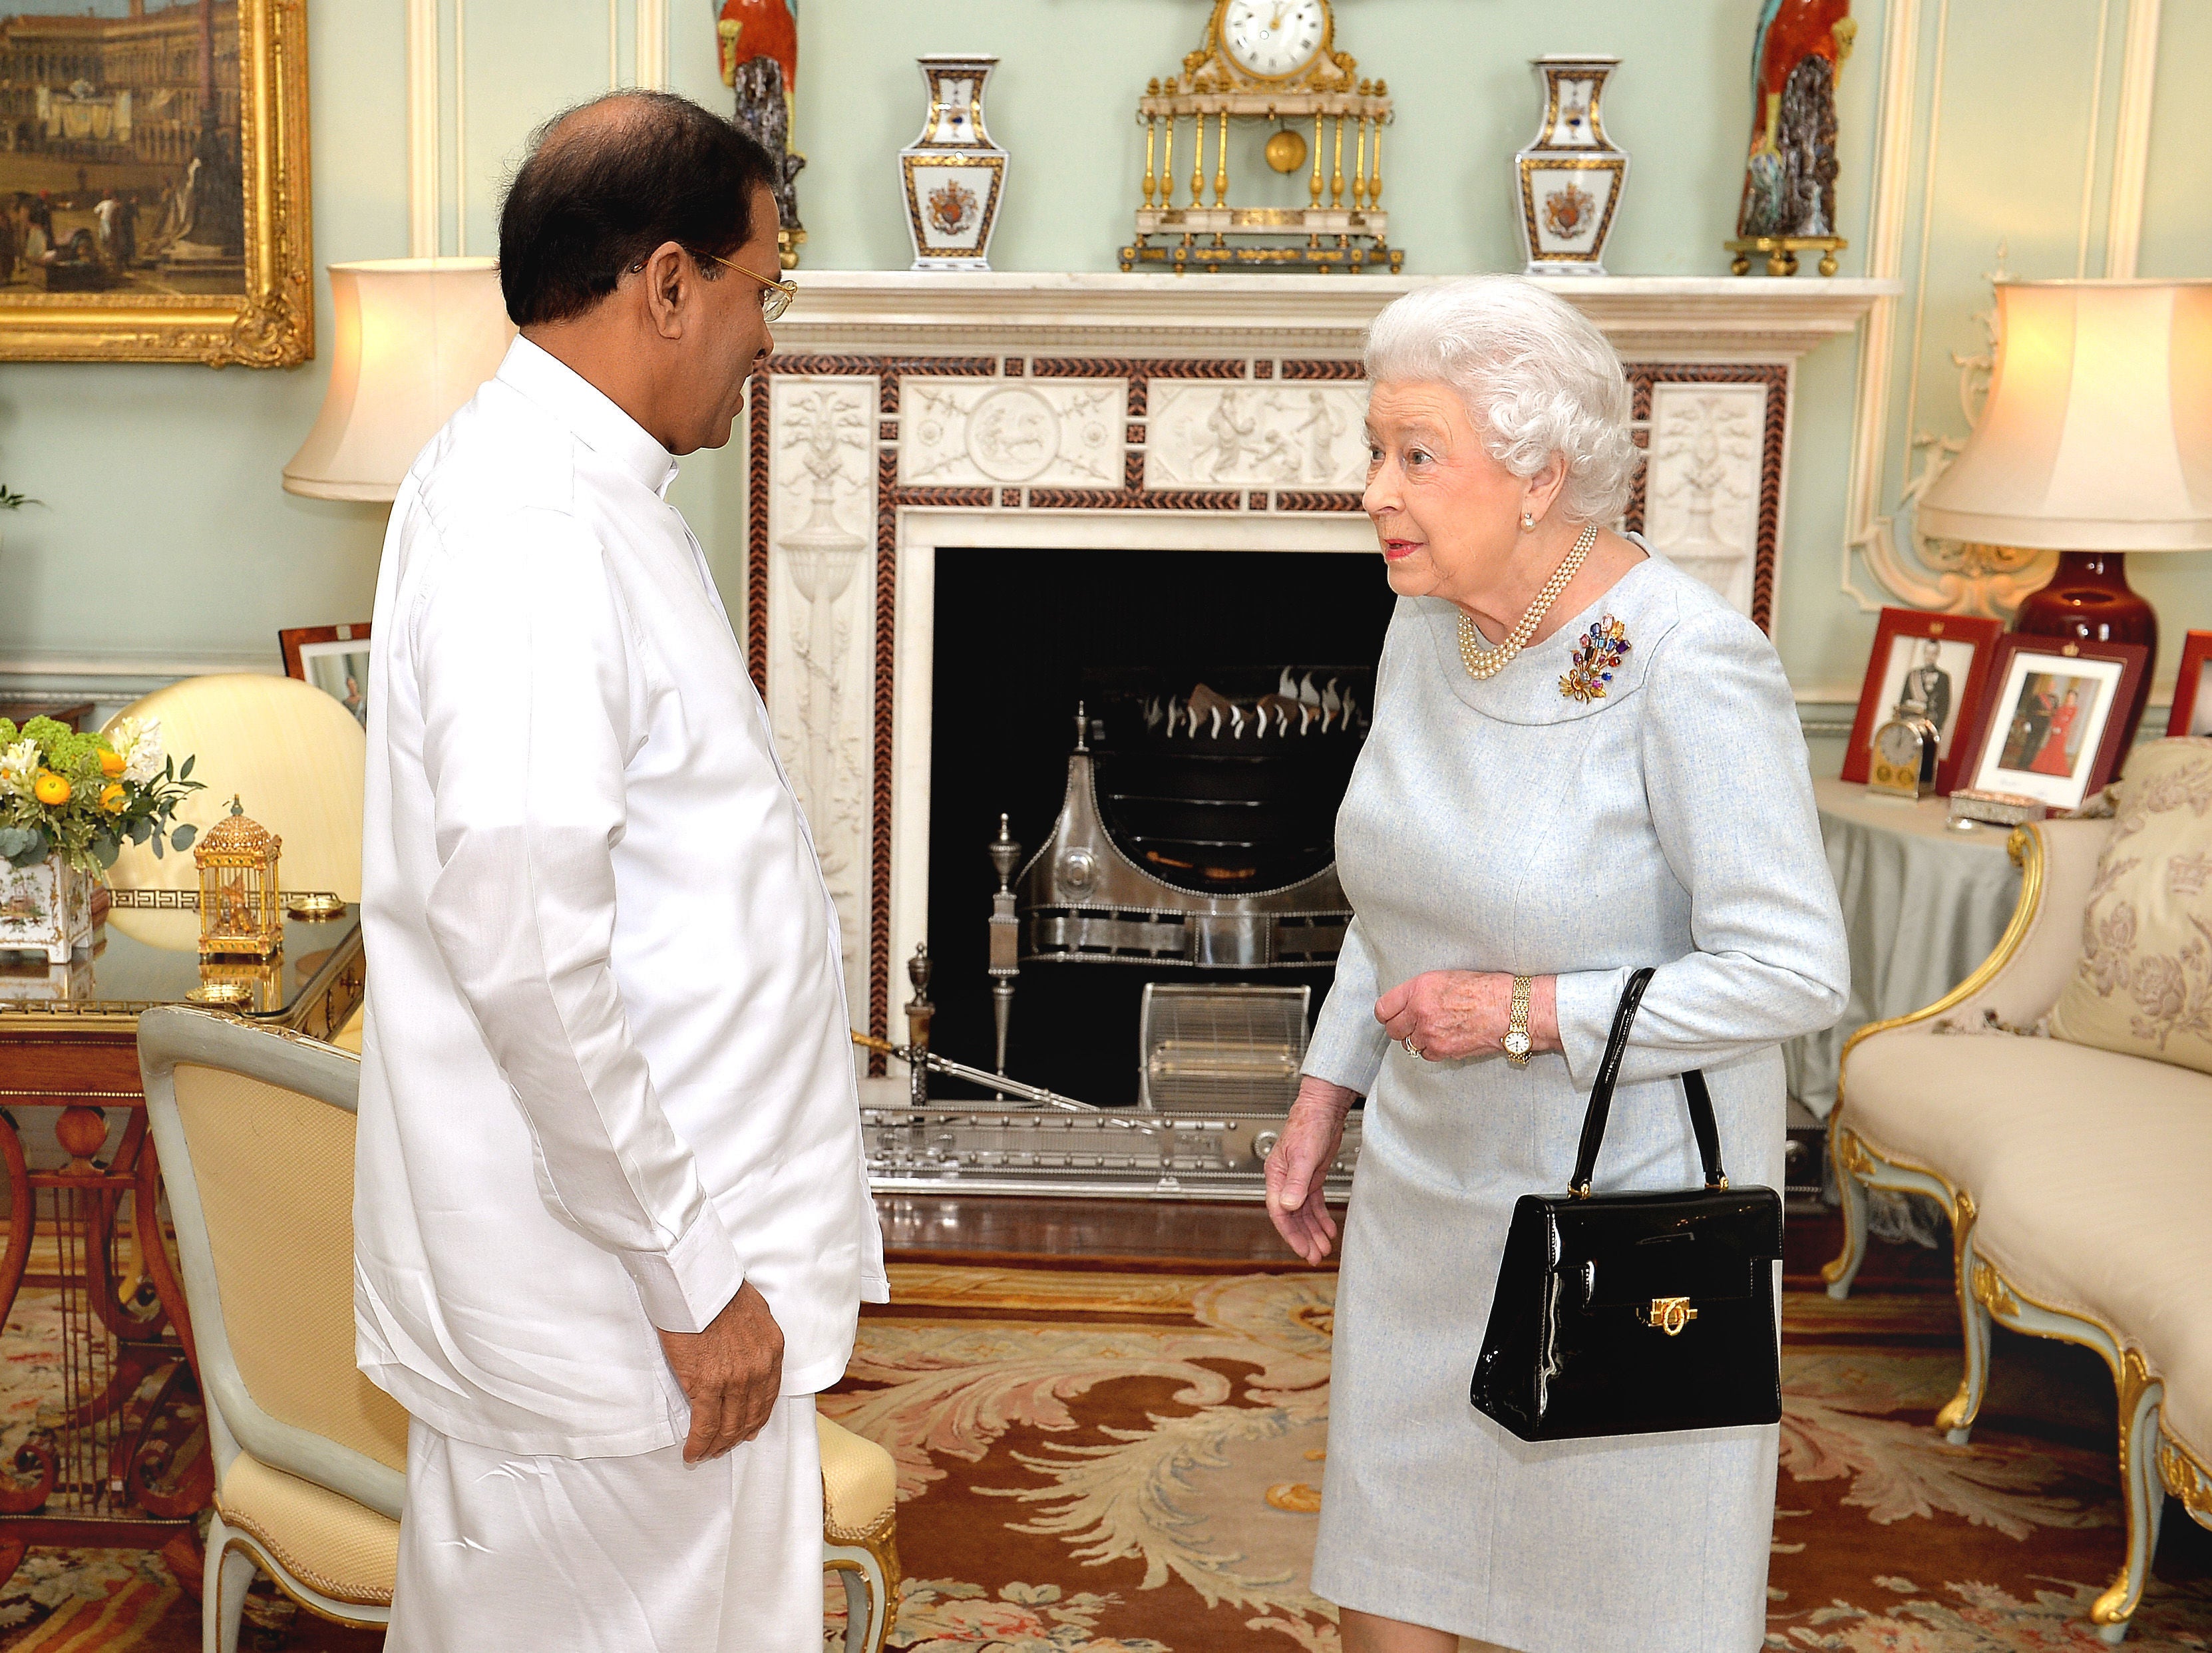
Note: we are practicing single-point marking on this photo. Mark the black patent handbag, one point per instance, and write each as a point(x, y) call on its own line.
point(1630, 1314)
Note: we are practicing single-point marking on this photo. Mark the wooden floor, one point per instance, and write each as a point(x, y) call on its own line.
point(1201, 1237)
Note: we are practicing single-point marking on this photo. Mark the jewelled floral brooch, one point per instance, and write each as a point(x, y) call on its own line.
point(1598, 655)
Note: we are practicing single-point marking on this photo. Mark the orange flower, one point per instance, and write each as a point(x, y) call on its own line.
point(112, 764)
point(113, 796)
point(51, 788)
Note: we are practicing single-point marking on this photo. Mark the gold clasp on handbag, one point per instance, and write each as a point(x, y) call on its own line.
point(1670, 1314)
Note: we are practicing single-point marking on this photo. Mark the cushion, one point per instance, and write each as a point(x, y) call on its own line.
point(339, 1548)
point(2143, 986)
point(860, 1483)
point(2087, 1170)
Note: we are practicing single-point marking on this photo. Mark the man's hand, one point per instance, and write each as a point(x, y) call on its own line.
point(731, 1373)
point(1298, 1167)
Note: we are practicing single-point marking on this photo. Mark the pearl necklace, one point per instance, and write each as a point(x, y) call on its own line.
point(1483, 661)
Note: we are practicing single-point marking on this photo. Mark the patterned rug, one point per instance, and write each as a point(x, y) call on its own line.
point(1100, 1462)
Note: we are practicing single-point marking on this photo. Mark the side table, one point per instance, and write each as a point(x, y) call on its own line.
point(1922, 905)
point(122, 1461)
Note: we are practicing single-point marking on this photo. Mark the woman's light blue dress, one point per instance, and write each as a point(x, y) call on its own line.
point(1501, 825)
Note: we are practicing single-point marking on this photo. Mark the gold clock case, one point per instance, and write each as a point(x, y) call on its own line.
point(1322, 72)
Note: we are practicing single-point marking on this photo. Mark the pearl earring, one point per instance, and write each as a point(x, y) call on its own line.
point(1528, 522)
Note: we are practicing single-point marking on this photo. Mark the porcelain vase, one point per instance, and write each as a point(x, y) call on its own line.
point(45, 907)
point(1570, 180)
point(953, 176)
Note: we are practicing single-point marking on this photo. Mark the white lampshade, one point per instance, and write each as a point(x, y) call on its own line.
point(416, 338)
point(2097, 435)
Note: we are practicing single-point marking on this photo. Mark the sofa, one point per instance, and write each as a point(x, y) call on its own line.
point(2077, 1177)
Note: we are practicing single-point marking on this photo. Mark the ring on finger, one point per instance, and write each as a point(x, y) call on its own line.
point(1413, 1049)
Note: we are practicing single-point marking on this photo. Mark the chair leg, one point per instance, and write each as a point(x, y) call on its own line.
point(1845, 1152)
point(222, 1590)
point(2145, 1491)
point(1956, 1419)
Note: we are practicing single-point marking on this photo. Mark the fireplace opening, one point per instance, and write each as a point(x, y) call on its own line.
point(1187, 782)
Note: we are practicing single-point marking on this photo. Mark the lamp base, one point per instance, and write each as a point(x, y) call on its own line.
point(2090, 601)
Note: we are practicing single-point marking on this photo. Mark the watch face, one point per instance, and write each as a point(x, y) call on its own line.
point(1271, 37)
point(1901, 744)
point(1517, 1044)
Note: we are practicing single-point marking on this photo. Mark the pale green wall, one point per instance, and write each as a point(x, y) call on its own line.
point(167, 535)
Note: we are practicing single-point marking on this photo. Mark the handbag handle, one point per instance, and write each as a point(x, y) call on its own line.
point(1600, 1103)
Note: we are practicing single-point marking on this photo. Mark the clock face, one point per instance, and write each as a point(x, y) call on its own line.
point(1270, 38)
point(1901, 744)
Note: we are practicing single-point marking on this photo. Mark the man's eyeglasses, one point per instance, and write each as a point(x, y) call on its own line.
point(775, 296)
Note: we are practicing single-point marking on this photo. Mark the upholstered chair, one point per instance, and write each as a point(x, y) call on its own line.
point(254, 1126)
point(255, 1131)
point(295, 758)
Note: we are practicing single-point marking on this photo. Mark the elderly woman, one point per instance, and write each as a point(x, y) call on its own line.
point(1582, 762)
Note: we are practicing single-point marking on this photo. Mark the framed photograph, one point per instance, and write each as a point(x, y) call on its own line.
point(1941, 661)
point(2192, 706)
point(153, 189)
point(2055, 713)
point(335, 659)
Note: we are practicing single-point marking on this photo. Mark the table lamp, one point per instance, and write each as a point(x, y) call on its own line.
point(2096, 441)
point(416, 338)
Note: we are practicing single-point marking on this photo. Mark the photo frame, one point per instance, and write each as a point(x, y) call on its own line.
point(2192, 706)
point(335, 659)
point(2053, 718)
point(1962, 645)
point(131, 229)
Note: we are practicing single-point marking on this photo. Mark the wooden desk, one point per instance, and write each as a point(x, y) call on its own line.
point(121, 1464)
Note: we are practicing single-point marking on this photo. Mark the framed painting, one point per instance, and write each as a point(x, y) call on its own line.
point(335, 659)
point(2054, 715)
point(2192, 707)
point(1939, 661)
point(153, 203)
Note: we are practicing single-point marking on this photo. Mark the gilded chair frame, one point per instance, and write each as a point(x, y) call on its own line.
point(2151, 1462)
point(175, 1036)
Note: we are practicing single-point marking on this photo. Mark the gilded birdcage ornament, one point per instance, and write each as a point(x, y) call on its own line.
point(240, 911)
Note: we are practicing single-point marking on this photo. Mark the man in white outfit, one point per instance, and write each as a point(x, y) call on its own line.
point(611, 1220)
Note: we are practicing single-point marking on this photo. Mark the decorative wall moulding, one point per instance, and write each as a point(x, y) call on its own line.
point(1648, 318)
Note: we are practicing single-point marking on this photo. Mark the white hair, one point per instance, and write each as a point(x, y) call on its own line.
point(1537, 377)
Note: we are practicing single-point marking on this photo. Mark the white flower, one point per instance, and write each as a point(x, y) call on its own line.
point(138, 742)
point(19, 767)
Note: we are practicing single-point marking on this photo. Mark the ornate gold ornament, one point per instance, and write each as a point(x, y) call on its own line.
point(240, 908)
point(1991, 1290)
point(270, 322)
point(1669, 1314)
point(1273, 60)
point(2187, 1480)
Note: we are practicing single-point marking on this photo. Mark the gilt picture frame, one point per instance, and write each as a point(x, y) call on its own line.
point(143, 219)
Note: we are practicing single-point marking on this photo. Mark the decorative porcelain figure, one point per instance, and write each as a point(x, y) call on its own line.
point(953, 175)
point(1569, 179)
point(758, 44)
point(1789, 202)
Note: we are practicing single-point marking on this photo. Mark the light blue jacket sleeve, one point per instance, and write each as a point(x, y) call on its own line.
point(1731, 799)
point(1348, 1043)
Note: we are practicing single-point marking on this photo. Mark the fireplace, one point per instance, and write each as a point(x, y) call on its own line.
point(1195, 821)
point(928, 449)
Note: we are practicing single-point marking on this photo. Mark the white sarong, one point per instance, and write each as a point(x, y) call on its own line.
point(638, 1554)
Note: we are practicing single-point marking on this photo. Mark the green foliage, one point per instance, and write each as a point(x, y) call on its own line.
point(99, 814)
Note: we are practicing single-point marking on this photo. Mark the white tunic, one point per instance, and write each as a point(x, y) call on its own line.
point(605, 1073)
point(1501, 826)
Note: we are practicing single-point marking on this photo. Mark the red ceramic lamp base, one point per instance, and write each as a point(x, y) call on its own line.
point(2089, 600)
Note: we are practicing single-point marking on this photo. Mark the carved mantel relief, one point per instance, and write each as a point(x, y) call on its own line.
point(1055, 433)
point(820, 653)
point(1701, 493)
point(1277, 435)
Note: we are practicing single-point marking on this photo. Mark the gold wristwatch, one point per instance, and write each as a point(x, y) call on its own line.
point(1516, 1043)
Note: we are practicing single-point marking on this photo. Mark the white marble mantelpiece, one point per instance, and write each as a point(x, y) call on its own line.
point(905, 413)
point(1649, 318)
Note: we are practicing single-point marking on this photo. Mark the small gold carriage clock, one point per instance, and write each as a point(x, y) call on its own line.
point(1903, 761)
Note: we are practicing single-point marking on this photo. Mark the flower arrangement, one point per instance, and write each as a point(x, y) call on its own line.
point(83, 797)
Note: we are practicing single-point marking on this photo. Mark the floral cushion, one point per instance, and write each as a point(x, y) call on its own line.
point(2144, 985)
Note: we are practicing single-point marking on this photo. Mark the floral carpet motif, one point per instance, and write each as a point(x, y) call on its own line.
point(1100, 1462)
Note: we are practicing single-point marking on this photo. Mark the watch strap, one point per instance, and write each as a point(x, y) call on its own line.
point(1517, 1021)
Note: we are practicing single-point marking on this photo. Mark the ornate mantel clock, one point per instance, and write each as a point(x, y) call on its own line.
point(1903, 761)
point(1273, 60)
